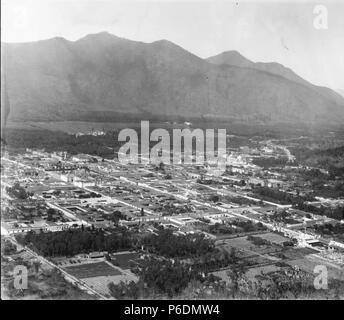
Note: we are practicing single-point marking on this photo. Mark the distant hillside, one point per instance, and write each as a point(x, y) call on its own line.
point(102, 75)
point(234, 58)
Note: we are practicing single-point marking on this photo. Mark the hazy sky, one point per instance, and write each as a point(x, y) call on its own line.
point(260, 30)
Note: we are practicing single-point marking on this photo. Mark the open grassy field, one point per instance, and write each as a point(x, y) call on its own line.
point(90, 270)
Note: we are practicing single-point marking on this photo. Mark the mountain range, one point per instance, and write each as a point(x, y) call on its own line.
point(102, 76)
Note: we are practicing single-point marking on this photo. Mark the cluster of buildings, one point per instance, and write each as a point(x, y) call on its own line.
point(70, 191)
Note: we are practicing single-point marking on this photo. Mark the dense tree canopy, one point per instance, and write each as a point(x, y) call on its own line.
point(167, 244)
point(75, 241)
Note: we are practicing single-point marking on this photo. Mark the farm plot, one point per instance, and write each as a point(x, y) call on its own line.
point(253, 255)
point(310, 262)
point(295, 253)
point(242, 244)
point(274, 238)
point(100, 284)
point(125, 260)
point(252, 273)
point(89, 270)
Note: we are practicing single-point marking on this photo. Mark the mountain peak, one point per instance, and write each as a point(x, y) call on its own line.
point(166, 44)
point(234, 58)
point(231, 57)
point(102, 36)
point(232, 53)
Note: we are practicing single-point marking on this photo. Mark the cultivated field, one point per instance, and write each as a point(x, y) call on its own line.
point(89, 270)
point(100, 284)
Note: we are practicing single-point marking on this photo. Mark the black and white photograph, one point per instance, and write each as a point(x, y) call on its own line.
point(172, 156)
